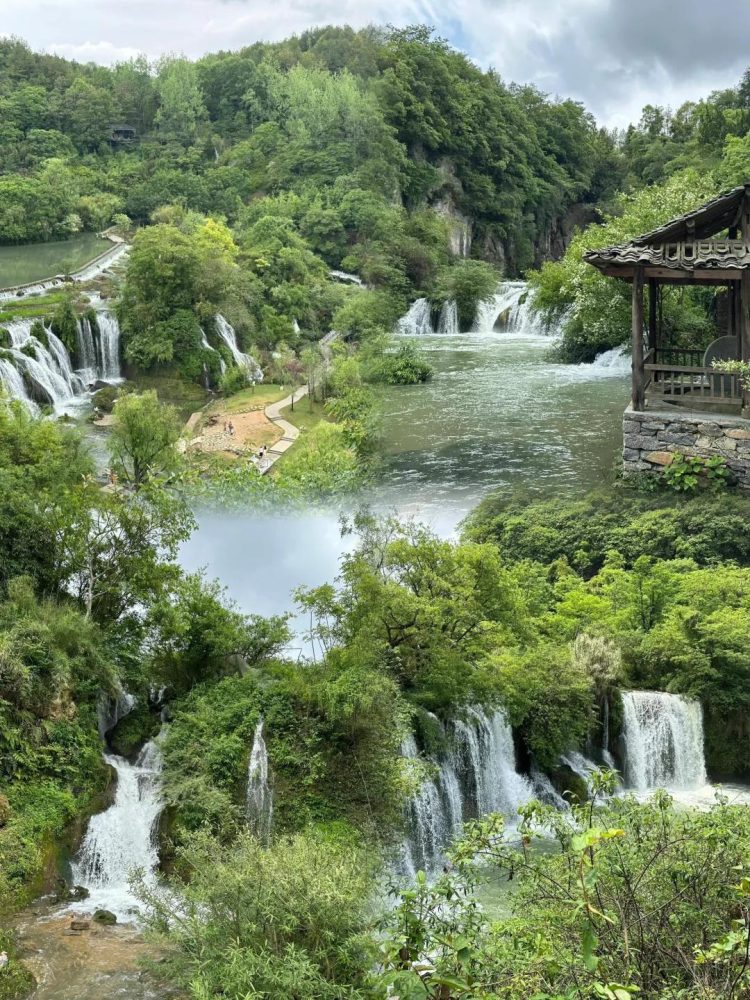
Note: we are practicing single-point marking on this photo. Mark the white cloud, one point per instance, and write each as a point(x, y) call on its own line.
point(613, 56)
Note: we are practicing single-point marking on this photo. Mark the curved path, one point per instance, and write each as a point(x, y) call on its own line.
point(289, 432)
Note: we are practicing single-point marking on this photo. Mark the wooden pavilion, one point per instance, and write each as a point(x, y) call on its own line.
point(708, 246)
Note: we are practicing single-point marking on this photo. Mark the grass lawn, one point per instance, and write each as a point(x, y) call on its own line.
point(303, 416)
point(248, 399)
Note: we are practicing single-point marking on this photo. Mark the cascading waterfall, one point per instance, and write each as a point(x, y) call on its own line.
point(207, 347)
point(615, 361)
point(663, 741)
point(417, 322)
point(509, 308)
point(122, 839)
point(448, 321)
point(259, 798)
point(14, 386)
point(109, 347)
point(580, 764)
point(226, 331)
point(477, 777)
point(36, 370)
point(345, 277)
point(86, 349)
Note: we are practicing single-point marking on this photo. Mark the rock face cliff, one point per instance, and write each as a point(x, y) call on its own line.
point(467, 233)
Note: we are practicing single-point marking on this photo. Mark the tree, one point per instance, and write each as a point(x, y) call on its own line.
point(144, 433)
point(182, 112)
point(468, 283)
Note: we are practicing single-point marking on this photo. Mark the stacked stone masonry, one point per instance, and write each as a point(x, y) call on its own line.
point(652, 437)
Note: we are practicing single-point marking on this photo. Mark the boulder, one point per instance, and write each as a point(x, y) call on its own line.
point(105, 917)
point(738, 434)
point(79, 924)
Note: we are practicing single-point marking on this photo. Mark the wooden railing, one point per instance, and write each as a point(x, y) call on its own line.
point(686, 383)
point(691, 357)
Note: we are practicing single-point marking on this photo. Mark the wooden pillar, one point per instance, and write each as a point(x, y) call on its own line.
point(653, 335)
point(637, 340)
point(744, 325)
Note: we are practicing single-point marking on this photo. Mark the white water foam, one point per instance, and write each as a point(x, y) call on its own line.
point(663, 738)
point(259, 798)
point(122, 839)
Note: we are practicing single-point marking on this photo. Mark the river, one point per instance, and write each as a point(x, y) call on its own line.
point(497, 415)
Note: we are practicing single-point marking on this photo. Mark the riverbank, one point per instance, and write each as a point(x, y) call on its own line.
point(99, 961)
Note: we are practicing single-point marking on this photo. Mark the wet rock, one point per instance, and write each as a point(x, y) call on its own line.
point(79, 892)
point(79, 924)
point(104, 917)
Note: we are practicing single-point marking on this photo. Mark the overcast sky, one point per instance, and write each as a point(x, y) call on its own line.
point(614, 55)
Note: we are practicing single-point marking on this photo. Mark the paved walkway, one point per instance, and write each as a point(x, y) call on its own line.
point(290, 433)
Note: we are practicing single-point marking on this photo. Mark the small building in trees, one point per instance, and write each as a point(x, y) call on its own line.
point(122, 134)
point(680, 402)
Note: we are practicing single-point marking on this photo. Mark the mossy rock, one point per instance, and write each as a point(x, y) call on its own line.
point(105, 399)
point(105, 917)
point(5, 809)
point(5, 339)
point(38, 330)
point(29, 350)
point(130, 733)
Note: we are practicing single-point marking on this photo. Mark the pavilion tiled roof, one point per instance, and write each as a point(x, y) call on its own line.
point(685, 243)
point(705, 254)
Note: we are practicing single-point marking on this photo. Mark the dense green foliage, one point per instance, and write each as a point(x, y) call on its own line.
point(287, 921)
point(707, 529)
point(635, 900)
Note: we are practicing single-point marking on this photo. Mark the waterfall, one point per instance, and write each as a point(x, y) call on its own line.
point(345, 277)
point(448, 321)
point(207, 347)
point(580, 765)
point(42, 369)
point(14, 385)
point(110, 710)
point(417, 322)
point(616, 361)
point(259, 797)
point(509, 309)
point(226, 331)
point(476, 777)
point(109, 347)
point(122, 838)
point(663, 739)
point(86, 349)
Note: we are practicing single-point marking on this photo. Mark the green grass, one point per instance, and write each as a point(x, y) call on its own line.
point(304, 416)
point(35, 307)
point(249, 399)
